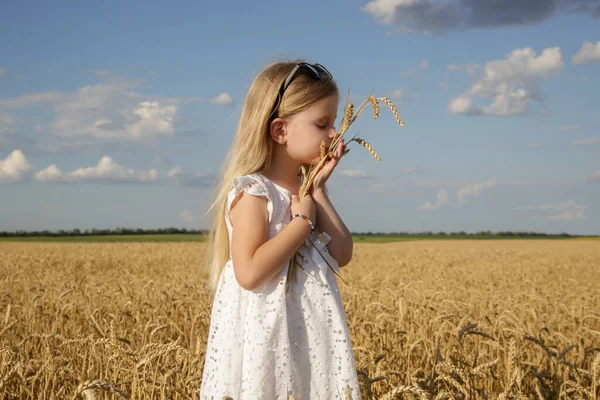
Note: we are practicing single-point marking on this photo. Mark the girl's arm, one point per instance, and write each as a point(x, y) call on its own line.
point(328, 220)
point(257, 260)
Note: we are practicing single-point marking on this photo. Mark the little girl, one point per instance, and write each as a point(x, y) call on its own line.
point(264, 343)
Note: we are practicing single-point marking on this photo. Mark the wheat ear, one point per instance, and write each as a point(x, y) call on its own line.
point(368, 146)
point(392, 107)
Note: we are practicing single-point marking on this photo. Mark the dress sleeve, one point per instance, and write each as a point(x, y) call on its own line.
point(250, 184)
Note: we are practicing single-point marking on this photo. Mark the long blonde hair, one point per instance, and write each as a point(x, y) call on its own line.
point(252, 146)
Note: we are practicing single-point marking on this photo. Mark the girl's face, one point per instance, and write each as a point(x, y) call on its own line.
point(307, 129)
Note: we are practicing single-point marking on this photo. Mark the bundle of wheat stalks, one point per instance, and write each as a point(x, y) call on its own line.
point(309, 172)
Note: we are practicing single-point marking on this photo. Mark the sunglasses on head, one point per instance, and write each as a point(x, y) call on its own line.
point(315, 71)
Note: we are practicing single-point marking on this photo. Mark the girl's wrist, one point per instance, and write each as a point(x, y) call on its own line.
point(319, 193)
point(308, 220)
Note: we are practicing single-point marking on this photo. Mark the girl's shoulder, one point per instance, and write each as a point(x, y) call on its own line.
point(252, 183)
point(255, 184)
point(259, 183)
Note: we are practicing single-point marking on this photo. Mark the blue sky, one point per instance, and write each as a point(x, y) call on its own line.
point(121, 113)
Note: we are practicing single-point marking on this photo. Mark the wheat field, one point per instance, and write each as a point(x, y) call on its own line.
point(428, 319)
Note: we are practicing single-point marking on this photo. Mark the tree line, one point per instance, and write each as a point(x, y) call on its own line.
point(184, 231)
point(105, 232)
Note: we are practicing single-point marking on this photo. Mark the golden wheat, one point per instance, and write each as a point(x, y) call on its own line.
point(308, 177)
point(431, 319)
point(369, 148)
point(392, 107)
point(323, 149)
point(347, 119)
point(375, 105)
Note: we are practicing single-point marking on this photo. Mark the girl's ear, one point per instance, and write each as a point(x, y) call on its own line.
point(277, 130)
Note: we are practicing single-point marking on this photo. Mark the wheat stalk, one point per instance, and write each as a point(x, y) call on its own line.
point(401, 390)
point(392, 107)
point(369, 148)
point(86, 388)
point(595, 375)
point(44, 353)
point(479, 369)
point(323, 149)
point(348, 117)
point(309, 174)
point(375, 105)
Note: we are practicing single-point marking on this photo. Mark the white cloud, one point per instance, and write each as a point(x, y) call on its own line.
point(385, 10)
point(354, 173)
point(106, 171)
point(463, 105)
point(112, 111)
point(223, 99)
point(15, 167)
point(586, 141)
point(570, 215)
point(175, 172)
point(50, 174)
point(397, 93)
point(437, 17)
point(474, 190)
point(571, 210)
point(570, 127)
point(595, 177)
point(441, 199)
point(187, 216)
point(424, 64)
point(109, 171)
point(510, 84)
point(588, 53)
point(568, 205)
point(154, 119)
point(443, 85)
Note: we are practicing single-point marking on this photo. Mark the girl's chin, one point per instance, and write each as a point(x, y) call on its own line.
point(314, 161)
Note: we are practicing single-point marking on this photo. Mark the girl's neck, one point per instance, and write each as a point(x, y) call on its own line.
point(284, 172)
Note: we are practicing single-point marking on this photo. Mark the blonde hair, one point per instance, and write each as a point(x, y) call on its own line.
point(252, 147)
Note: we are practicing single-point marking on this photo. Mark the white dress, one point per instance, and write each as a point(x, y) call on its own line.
point(264, 344)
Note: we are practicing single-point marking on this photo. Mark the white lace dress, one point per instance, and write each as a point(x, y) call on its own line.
point(264, 344)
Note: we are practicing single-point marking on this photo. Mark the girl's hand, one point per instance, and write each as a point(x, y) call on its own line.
point(329, 166)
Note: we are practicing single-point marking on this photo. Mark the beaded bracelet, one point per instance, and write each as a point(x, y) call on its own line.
point(304, 217)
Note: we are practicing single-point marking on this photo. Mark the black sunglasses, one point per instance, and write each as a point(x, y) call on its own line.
point(315, 71)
